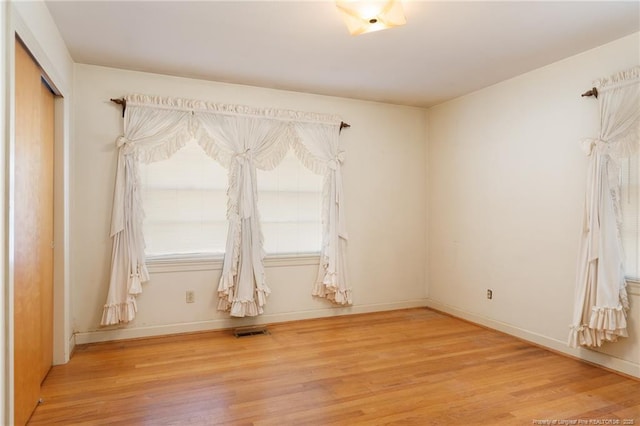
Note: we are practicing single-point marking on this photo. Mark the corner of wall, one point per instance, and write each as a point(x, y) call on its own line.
point(494, 197)
point(427, 206)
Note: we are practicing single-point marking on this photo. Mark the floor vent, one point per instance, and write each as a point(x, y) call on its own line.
point(249, 331)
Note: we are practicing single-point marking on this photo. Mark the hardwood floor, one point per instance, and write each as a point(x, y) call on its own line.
point(407, 367)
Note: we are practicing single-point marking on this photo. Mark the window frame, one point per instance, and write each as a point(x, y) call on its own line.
point(191, 263)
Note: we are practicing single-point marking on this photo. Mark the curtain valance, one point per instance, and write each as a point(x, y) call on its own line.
point(193, 105)
point(242, 139)
point(601, 302)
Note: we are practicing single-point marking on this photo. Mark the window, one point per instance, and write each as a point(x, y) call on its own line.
point(185, 203)
point(630, 203)
point(290, 205)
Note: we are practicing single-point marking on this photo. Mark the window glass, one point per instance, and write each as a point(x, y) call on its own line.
point(290, 203)
point(185, 203)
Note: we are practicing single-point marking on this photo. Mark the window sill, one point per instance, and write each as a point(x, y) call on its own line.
point(633, 287)
point(214, 263)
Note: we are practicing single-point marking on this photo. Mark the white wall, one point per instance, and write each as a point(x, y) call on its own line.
point(506, 188)
point(32, 22)
point(385, 188)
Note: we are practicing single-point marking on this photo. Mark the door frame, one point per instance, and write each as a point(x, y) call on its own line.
point(31, 24)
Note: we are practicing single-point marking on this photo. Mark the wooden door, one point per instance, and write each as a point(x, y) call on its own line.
point(33, 233)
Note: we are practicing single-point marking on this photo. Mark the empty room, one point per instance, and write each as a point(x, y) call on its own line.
point(320, 212)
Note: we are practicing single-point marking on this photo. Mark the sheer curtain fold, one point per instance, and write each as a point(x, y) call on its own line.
point(253, 143)
point(149, 135)
point(242, 139)
point(318, 148)
point(601, 301)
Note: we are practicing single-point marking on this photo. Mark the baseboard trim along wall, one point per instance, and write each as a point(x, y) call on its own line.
point(130, 332)
point(604, 360)
point(124, 332)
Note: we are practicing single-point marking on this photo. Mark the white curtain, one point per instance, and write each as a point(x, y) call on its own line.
point(242, 139)
point(149, 135)
point(319, 150)
point(601, 301)
point(247, 143)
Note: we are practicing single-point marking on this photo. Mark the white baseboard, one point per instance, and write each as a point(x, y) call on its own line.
point(604, 360)
point(226, 323)
point(607, 361)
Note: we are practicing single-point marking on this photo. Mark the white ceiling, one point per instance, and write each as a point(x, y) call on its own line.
point(446, 49)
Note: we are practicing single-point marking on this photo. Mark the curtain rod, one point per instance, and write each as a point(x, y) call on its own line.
point(123, 102)
point(593, 92)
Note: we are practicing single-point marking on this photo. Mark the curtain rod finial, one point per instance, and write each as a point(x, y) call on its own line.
point(121, 101)
point(593, 92)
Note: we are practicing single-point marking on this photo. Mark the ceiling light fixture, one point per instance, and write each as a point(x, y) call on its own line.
point(367, 16)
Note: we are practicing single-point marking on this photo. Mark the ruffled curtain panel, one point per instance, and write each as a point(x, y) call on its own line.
point(242, 139)
point(601, 301)
point(321, 154)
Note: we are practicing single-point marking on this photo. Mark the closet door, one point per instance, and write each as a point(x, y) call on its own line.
point(33, 233)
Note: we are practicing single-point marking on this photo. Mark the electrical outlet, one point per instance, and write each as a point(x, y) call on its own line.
point(489, 294)
point(190, 296)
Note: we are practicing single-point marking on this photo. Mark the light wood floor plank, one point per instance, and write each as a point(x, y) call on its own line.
point(407, 367)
